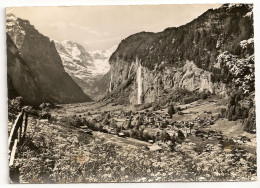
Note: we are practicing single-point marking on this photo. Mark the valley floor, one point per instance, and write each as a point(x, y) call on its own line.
point(56, 153)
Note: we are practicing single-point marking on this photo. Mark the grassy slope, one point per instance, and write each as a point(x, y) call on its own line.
point(63, 154)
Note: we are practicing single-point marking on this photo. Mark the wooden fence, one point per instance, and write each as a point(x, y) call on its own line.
point(16, 139)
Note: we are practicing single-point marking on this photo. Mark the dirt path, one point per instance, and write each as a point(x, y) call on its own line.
point(117, 139)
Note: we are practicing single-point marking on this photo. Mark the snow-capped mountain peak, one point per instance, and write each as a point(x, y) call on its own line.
point(101, 59)
point(86, 68)
point(11, 17)
point(104, 53)
point(16, 27)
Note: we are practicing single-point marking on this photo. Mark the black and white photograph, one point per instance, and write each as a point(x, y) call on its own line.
point(131, 93)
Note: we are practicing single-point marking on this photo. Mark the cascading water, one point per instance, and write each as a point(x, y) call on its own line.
point(139, 83)
point(110, 84)
point(129, 72)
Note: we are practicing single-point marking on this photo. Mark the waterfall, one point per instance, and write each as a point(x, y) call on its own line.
point(129, 72)
point(110, 84)
point(139, 83)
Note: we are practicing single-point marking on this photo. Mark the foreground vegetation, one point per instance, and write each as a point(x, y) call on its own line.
point(56, 151)
point(60, 155)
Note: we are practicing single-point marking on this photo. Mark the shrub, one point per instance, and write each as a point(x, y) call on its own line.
point(105, 121)
point(223, 112)
point(180, 134)
point(45, 115)
point(155, 106)
point(189, 99)
point(147, 136)
point(73, 121)
point(136, 133)
point(133, 133)
point(97, 127)
point(126, 133)
point(15, 105)
point(33, 112)
point(165, 136)
point(249, 123)
point(171, 110)
point(143, 106)
point(204, 95)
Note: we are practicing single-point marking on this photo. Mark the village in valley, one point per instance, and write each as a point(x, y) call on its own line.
point(188, 122)
point(196, 130)
point(111, 142)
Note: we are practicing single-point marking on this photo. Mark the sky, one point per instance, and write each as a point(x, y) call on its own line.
point(102, 27)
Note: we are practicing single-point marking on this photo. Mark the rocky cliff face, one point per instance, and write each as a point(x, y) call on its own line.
point(16, 81)
point(146, 66)
point(44, 65)
point(147, 86)
point(86, 68)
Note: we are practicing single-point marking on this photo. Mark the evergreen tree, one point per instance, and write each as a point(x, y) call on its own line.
point(171, 110)
point(180, 134)
point(165, 136)
point(238, 112)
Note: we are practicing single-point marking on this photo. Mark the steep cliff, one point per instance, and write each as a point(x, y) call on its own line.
point(202, 55)
point(17, 81)
point(44, 65)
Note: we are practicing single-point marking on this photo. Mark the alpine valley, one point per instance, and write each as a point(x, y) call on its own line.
point(176, 105)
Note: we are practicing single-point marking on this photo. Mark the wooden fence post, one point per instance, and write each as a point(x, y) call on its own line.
point(19, 134)
point(13, 133)
point(25, 126)
point(14, 172)
point(16, 137)
point(12, 156)
point(20, 128)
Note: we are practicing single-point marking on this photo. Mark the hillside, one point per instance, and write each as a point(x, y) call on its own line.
point(44, 65)
point(15, 65)
point(212, 53)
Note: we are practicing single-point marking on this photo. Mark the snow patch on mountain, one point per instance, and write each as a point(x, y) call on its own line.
point(86, 68)
point(101, 59)
point(14, 28)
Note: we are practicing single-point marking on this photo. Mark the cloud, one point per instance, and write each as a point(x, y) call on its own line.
point(80, 28)
point(86, 42)
point(62, 24)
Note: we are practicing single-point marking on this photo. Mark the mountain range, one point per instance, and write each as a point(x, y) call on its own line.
point(35, 69)
point(213, 53)
point(85, 68)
